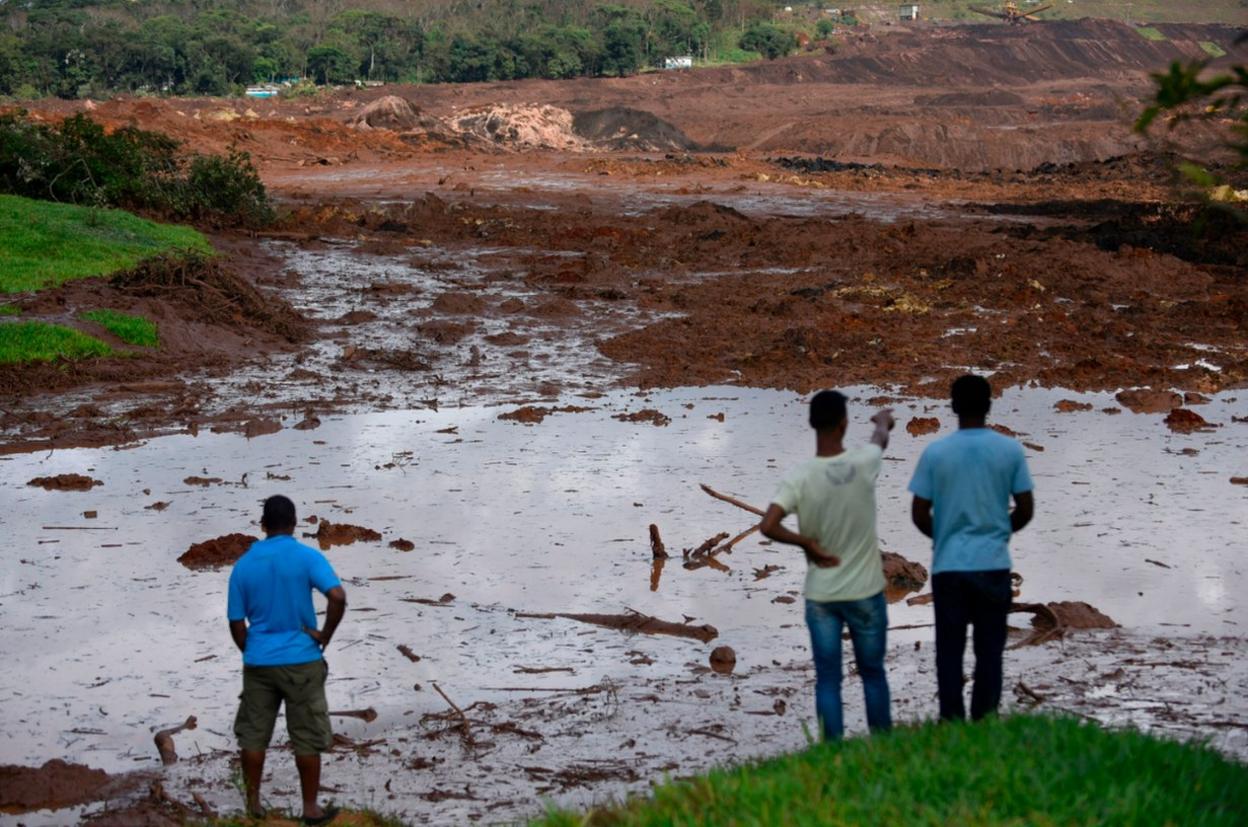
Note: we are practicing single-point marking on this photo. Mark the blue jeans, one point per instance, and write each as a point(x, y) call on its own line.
point(868, 627)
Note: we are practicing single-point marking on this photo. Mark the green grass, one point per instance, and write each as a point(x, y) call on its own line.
point(10, 310)
point(41, 342)
point(1212, 49)
point(1149, 33)
point(43, 244)
point(133, 330)
point(1021, 770)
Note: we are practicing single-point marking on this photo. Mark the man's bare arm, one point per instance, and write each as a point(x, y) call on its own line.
point(333, 616)
point(884, 423)
point(770, 527)
point(921, 515)
point(238, 631)
point(1024, 510)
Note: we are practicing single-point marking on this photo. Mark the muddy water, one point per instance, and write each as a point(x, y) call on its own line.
point(108, 638)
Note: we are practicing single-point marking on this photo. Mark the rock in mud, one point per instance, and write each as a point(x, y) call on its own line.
point(902, 574)
point(1147, 400)
point(1070, 406)
point(459, 304)
point(218, 552)
point(402, 545)
point(65, 482)
point(723, 660)
point(1185, 421)
point(534, 414)
point(343, 534)
point(54, 785)
point(920, 425)
point(656, 418)
point(261, 427)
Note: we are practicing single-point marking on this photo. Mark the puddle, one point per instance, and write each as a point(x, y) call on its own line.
point(109, 638)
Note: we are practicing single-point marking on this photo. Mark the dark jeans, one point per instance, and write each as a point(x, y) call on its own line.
point(982, 599)
point(867, 620)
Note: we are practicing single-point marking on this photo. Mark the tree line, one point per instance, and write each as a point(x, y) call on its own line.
point(77, 48)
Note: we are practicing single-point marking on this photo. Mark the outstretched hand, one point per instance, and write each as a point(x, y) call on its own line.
point(884, 418)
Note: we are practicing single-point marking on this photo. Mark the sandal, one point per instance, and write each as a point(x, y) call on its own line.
point(329, 814)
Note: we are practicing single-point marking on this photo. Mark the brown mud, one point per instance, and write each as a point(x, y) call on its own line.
point(342, 534)
point(55, 785)
point(65, 482)
point(217, 552)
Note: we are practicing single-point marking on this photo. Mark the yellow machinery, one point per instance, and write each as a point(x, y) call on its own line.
point(1011, 13)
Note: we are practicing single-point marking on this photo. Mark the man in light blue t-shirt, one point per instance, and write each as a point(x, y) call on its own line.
point(962, 489)
point(273, 623)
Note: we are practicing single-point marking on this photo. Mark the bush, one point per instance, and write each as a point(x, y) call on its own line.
point(78, 162)
point(769, 40)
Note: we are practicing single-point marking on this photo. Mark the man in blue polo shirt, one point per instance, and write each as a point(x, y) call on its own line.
point(962, 488)
point(273, 624)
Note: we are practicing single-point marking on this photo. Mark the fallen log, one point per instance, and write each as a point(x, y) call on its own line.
point(366, 715)
point(635, 622)
point(1051, 621)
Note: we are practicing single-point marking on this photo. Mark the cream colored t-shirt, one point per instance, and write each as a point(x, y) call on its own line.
point(834, 500)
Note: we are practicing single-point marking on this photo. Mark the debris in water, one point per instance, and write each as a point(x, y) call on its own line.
point(164, 740)
point(1147, 400)
point(65, 482)
point(657, 549)
point(261, 427)
point(342, 534)
point(203, 481)
point(723, 660)
point(407, 652)
point(920, 425)
point(402, 545)
point(645, 415)
point(1070, 406)
point(1185, 421)
point(533, 414)
point(1051, 621)
point(633, 622)
point(218, 552)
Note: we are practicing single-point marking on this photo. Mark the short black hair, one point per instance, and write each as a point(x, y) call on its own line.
point(972, 395)
point(279, 515)
point(827, 410)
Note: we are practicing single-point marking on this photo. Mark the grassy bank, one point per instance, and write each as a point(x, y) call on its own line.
point(43, 244)
point(39, 342)
point(1016, 771)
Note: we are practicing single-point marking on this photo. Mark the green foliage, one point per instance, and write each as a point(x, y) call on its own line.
point(769, 40)
point(76, 161)
point(40, 342)
point(824, 28)
point(10, 310)
point(1150, 33)
point(133, 330)
point(1188, 92)
point(43, 244)
point(1013, 771)
point(75, 48)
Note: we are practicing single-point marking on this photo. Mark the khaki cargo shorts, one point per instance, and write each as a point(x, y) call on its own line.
point(302, 687)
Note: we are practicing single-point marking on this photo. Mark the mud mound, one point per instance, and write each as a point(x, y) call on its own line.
point(393, 113)
point(343, 534)
point(920, 425)
point(1185, 421)
point(621, 127)
point(903, 575)
point(218, 552)
point(1146, 400)
point(519, 126)
point(701, 213)
point(218, 294)
point(459, 304)
point(54, 785)
point(656, 418)
point(534, 414)
point(65, 482)
point(723, 660)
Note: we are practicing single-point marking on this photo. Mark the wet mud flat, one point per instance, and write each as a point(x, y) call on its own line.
point(112, 639)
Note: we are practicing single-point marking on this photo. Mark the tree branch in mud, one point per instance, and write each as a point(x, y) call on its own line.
point(164, 740)
point(466, 725)
point(635, 622)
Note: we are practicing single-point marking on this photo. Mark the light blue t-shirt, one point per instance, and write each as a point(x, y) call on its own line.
point(271, 588)
point(969, 477)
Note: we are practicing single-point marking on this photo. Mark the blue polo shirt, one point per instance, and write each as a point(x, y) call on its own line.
point(271, 588)
point(969, 477)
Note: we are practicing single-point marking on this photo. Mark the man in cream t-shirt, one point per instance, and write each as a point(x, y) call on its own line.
point(833, 496)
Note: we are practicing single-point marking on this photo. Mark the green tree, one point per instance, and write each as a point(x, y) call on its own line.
point(329, 64)
point(769, 40)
